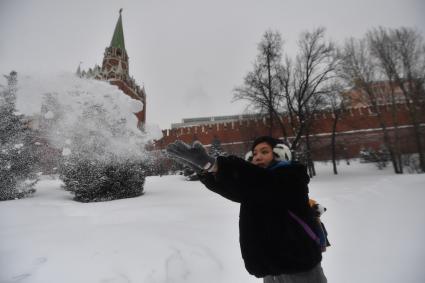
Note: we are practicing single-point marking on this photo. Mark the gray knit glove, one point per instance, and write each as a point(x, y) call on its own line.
point(194, 156)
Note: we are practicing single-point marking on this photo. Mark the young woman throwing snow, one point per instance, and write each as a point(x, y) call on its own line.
point(276, 222)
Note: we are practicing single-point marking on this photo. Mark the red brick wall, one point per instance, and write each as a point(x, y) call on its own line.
point(357, 128)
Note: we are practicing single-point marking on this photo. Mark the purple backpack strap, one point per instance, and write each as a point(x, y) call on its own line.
point(306, 228)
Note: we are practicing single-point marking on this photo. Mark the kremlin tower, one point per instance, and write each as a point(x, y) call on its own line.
point(115, 70)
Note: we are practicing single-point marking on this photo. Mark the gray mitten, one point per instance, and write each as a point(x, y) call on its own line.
point(195, 156)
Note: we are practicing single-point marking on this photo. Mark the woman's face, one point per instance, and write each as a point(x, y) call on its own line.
point(262, 155)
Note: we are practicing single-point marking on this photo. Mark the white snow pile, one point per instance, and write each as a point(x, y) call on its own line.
point(73, 107)
point(181, 232)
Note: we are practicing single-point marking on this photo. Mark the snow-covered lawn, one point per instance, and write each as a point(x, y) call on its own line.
point(180, 232)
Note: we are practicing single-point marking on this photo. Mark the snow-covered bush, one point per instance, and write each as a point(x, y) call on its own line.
point(380, 157)
point(88, 131)
point(158, 163)
point(18, 149)
point(412, 163)
point(92, 124)
point(95, 180)
point(96, 164)
point(216, 149)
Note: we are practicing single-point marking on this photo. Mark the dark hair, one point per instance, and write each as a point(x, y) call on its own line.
point(267, 139)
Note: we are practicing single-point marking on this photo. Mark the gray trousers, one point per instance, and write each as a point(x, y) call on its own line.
point(315, 275)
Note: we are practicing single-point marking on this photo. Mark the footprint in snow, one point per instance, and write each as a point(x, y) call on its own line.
point(40, 260)
point(36, 263)
point(176, 268)
point(20, 277)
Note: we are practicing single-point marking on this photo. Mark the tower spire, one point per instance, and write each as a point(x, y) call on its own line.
point(115, 69)
point(118, 37)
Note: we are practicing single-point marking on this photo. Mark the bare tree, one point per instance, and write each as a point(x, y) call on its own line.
point(360, 69)
point(400, 54)
point(335, 103)
point(262, 86)
point(305, 81)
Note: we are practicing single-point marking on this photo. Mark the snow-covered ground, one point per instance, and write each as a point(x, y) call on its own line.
point(180, 232)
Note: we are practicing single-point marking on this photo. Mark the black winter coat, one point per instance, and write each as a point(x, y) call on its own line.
point(271, 241)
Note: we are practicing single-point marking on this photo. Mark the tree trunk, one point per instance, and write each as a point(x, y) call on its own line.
point(269, 88)
point(413, 110)
point(333, 142)
point(398, 154)
point(298, 131)
point(282, 126)
point(419, 146)
point(270, 124)
point(310, 163)
point(387, 140)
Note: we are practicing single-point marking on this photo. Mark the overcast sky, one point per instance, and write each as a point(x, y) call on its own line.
point(189, 54)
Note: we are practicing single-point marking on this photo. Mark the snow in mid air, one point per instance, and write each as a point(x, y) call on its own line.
point(76, 109)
